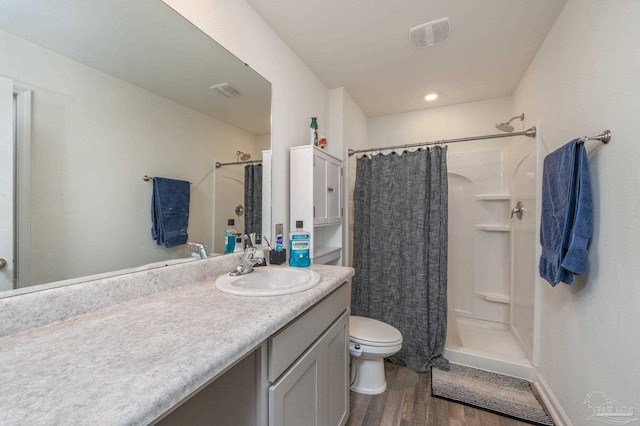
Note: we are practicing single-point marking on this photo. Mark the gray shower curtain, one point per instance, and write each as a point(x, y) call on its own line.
point(253, 198)
point(400, 250)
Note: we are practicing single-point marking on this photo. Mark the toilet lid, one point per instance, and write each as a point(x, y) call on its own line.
point(373, 332)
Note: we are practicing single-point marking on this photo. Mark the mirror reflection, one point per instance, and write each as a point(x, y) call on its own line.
point(101, 96)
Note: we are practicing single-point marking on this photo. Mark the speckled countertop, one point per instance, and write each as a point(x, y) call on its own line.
point(131, 362)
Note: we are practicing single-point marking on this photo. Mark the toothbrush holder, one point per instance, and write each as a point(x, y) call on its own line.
point(277, 257)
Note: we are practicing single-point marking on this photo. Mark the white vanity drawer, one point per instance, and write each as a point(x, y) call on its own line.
point(289, 343)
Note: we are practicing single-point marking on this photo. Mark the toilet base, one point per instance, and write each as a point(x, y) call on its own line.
point(370, 379)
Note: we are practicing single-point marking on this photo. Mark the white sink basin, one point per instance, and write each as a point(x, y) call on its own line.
point(269, 281)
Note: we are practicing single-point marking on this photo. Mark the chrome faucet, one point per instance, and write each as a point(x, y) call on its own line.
point(246, 263)
point(201, 250)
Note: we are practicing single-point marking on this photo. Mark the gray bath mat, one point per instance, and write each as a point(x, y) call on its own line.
point(504, 395)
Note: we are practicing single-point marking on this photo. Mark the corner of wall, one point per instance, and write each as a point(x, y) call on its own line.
point(550, 401)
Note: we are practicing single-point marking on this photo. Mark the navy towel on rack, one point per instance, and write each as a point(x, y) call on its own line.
point(567, 214)
point(170, 211)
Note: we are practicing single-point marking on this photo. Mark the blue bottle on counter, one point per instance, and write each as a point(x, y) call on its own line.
point(299, 247)
point(230, 235)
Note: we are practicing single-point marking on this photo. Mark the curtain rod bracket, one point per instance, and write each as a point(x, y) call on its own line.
point(531, 132)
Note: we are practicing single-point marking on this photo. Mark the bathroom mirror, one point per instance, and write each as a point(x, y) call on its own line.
point(119, 90)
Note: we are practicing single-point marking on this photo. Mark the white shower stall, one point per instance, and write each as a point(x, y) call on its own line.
point(491, 261)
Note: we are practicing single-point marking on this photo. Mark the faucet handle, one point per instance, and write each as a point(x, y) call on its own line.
point(248, 254)
point(201, 250)
point(246, 263)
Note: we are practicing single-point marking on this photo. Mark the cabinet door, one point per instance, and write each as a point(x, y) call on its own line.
point(334, 192)
point(314, 392)
point(338, 372)
point(320, 199)
point(297, 398)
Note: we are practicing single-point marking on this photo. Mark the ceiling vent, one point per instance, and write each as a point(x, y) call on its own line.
point(226, 89)
point(430, 33)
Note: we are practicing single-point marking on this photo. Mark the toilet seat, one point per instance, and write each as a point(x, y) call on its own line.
point(370, 332)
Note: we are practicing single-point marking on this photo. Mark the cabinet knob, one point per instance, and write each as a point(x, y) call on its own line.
point(330, 189)
point(3, 263)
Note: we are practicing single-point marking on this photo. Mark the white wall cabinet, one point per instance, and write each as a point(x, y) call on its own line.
point(327, 182)
point(316, 199)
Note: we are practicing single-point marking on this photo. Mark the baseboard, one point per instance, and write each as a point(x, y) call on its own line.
point(550, 401)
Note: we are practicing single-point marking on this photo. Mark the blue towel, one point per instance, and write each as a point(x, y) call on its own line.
point(170, 211)
point(567, 214)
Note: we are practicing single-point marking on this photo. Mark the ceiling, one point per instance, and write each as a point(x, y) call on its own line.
point(363, 46)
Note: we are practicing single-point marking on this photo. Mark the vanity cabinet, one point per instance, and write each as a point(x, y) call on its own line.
point(316, 199)
point(297, 377)
point(313, 389)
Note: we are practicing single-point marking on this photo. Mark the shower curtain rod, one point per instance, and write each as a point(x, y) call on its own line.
point(529, 133)
point(218, 164)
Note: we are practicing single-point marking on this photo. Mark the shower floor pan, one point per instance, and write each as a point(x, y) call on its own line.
point(489, 346)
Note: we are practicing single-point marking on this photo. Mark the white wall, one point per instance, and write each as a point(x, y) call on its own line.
point(86, 126)
point(356, 125)
point(297, 94)
point(335, 136)
point(348, 127)
point(584, 79)
point(470, 119)
point(263, 142)
point(6, 184)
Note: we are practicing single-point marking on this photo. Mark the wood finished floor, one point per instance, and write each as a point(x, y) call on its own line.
point(408, 401)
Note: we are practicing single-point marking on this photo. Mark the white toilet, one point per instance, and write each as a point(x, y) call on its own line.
point(370, 341)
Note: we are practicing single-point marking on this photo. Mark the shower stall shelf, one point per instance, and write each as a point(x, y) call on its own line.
point(492, 263)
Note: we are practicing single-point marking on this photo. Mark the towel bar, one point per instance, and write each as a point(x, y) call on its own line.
point(147, 178)
point(603, 137)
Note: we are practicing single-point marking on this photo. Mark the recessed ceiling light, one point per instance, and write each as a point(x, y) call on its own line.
point(431, 96)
